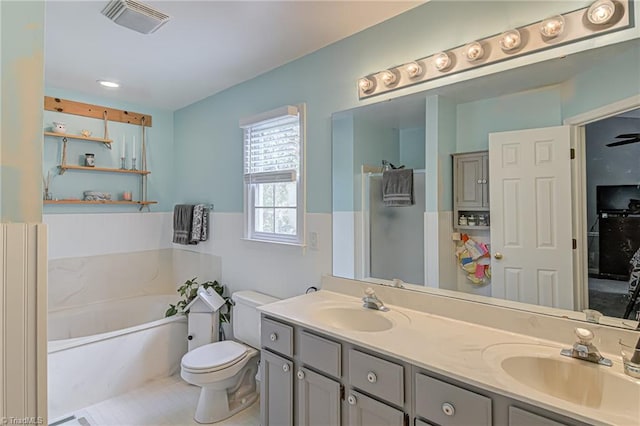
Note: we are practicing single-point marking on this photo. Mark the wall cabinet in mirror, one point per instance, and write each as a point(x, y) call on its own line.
point(471, 190)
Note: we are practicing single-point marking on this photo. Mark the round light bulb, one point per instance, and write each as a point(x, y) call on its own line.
point(510, 40)
point(552, 27)
point(601, 12)
point(442, 61)
point(366, 84)
point(389, 77)
point(413, 69)
point(474, 51)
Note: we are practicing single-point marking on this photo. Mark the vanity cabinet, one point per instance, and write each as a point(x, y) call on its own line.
point(311, 379)
point(471, 190)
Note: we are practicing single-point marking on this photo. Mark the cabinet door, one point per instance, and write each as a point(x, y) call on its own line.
point(365, 411)
point(485, 180)
point(469, 178)
point(318, 400)
point(276, 391)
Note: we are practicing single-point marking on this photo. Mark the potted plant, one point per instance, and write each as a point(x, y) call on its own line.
point(189, 291)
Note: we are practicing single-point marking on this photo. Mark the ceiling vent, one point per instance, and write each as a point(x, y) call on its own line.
point(135, 15)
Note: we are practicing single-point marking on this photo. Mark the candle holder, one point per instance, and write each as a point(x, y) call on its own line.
point(133, 164)
point(123, 163)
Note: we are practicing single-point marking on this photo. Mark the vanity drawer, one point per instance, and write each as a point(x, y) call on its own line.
point(376, 376)
point(519, 417)
point(277, 336)
point(446, 404)
point(320, 353)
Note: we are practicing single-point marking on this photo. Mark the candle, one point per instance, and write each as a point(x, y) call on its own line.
point(122, 154)
point(133, 148)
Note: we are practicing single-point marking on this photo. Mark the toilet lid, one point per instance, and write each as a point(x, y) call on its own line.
point(214, 356)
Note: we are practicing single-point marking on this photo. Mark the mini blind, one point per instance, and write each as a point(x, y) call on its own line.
point(272, 147)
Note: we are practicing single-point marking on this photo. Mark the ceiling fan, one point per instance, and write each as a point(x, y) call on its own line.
point(630, 138)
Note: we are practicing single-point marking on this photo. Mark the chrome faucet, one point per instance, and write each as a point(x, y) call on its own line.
point(371, 301)
point(585, 350)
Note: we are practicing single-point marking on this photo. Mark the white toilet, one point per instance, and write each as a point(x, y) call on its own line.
point(227, 370)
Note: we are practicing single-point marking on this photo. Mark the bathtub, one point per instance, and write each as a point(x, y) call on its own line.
point(105, 349)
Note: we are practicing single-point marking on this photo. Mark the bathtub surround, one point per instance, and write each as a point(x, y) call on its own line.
point(81, 281)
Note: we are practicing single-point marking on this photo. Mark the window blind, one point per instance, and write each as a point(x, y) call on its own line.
point(272, 150)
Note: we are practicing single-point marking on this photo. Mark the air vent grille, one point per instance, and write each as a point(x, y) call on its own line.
point(135, 15)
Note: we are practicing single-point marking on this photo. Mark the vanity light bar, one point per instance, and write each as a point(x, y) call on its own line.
point(551, 32)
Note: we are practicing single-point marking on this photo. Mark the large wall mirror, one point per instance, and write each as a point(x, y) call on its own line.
point(596, 93)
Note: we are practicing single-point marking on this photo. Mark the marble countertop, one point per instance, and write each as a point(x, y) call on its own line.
point(453, 348)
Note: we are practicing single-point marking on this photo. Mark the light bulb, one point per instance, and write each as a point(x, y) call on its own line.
point(552, 27)
point(442, 61)
point(414, 69)
point(474, 51)
point(106, 83)
point(389, 77)
point(366, 84)
point(601, 12)
point(510, 40)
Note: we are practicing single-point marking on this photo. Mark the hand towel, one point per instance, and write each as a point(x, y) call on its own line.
point(196, 224)
point(182, 219)
point(397, 187)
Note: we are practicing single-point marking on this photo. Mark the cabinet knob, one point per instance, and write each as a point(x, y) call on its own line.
point(484, 181)
point(273, 337)
point(498, 255)
point(479, 180)
point(448, 409)
point(285, 368)
point(352, 400)
point(371, 377)
point(300, 374)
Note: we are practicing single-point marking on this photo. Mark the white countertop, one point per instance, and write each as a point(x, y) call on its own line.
point(450, 347)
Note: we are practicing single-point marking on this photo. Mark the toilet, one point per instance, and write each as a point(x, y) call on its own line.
point(226, 371)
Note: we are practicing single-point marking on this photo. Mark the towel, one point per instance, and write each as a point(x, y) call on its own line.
point(182, 223)
point(634, 278)
point(199, 224)
point(397, 187)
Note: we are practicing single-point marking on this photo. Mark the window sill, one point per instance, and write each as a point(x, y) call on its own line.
point(282, 243)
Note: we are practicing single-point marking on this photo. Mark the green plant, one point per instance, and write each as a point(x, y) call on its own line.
point(189, 291)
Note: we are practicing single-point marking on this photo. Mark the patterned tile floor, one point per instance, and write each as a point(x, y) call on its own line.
point(168, 401)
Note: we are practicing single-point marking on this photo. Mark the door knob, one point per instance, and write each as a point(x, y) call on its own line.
point(498, 255)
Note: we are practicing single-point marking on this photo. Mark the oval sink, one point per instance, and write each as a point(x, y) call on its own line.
point(542, 368)
point(356, 318)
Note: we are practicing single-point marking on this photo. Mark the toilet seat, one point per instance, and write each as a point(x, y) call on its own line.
point(214, 357)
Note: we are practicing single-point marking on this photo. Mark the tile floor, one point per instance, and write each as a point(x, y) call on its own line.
point(167, 401)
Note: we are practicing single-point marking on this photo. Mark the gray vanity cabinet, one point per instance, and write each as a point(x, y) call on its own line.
point(276, 392)
point(365, 411)
point(309, 379)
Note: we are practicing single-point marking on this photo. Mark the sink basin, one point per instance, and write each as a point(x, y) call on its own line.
point(357, 318)
point(541, 368)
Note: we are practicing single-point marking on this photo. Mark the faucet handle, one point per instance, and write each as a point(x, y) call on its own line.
point(584, 336)
point(369, 292)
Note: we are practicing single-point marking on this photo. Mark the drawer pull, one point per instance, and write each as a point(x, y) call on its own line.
point(285, 368)
point(273, 337)
point(371, 377)
point(352, 400)
point(300, 374)
point(448, 409)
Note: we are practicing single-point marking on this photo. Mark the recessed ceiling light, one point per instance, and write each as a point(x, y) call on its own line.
point(107, 83)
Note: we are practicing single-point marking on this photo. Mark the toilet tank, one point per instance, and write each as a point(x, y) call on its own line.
point(245, 318)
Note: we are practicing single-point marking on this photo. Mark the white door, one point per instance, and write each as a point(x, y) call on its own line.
point(531, 233)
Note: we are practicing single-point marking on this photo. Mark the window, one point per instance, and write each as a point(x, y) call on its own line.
point(274, 175)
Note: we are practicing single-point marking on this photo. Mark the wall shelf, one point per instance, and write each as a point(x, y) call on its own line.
point(79, 137)
point(139, 203)
point(101, 169)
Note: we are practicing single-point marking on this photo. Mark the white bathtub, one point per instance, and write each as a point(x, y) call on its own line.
point(105, 349)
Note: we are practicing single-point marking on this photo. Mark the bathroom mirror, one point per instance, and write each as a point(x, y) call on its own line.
point(420, 131)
